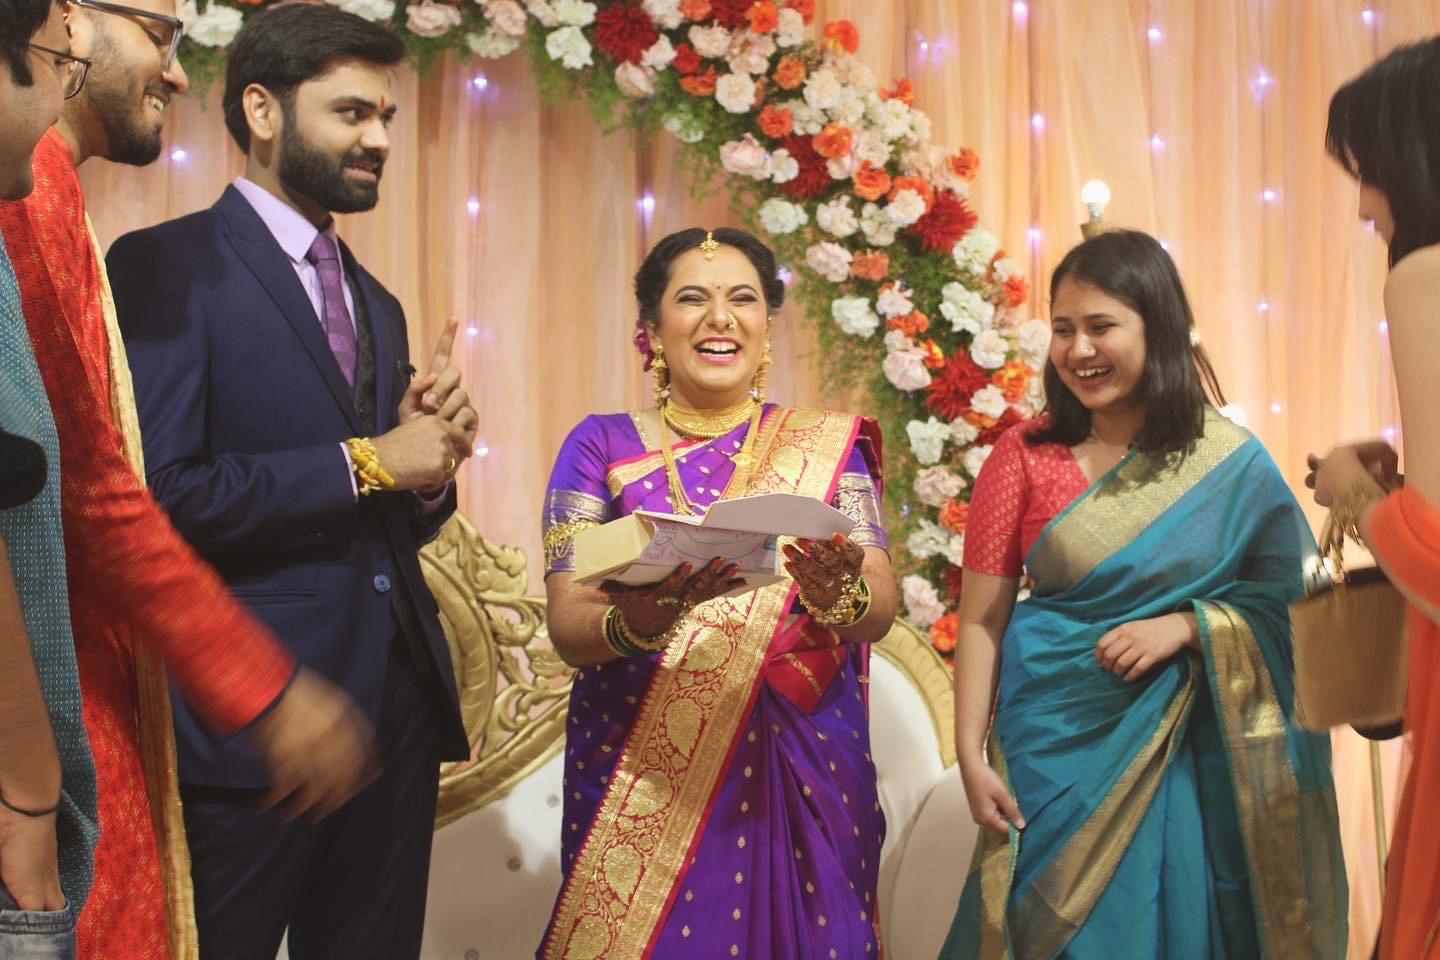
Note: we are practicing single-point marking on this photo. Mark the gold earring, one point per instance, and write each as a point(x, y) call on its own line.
point(662, 376)
point(757, 383)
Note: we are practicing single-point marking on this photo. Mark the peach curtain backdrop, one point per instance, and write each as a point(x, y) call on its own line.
point(1206, 117)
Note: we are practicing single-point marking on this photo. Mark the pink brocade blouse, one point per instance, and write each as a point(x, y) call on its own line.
point(1021, 488)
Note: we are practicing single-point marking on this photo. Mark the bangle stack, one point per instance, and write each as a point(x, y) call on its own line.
point(1346, 510)
point(848, 609)
point(623, 639)
point(368, 471)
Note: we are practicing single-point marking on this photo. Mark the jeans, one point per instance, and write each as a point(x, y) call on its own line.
point(37, 934)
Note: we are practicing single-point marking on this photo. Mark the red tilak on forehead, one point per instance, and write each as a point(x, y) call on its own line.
point(382, 101)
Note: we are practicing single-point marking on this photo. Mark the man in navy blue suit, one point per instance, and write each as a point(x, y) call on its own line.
point(287, 439)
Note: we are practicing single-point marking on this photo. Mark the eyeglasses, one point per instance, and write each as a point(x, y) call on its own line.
point(78, 67)
point(165, 32)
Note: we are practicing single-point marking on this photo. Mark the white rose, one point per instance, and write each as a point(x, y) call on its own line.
point(783, 167)
point(372, 10)
point(989, 402)
point(781, 216)
point(963, 432)
point(955, 549)
point(542, 10)
point(937, 486)
point(872, 146)
point(216, 27)
point(745, 157)
point(927, 439)
point(906, 369)
point(895, 302)
point(1034, 342)
point(575, 13)
point(830, 260)
point(823, 89)
point(569, 46)
point(735, 92)
point(750, 52)
point(685, 128)
point(807, 119)
point(975, 458)
point(854, 316)
point(989, 349)
point(665, 13)
point(791, 30)
point(837, 218)
point(1005, 268)
point(507, 16)
point(975, 251)
point(712, 43)
point(635, 81)
point(842, 168)
point(492, 44)
point(877, 226)
point(431, 19)
point(907, 207)
point(966, 310)
point(927, 540)
point(922, 602)
point(660, 55)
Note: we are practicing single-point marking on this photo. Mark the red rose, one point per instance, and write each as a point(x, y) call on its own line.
point(625, 31)
point(686, 61)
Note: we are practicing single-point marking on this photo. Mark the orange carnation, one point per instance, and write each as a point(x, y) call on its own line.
point(806, 8)
point(934, 357)
point(790, 72)
point(702, 84)
point(1012, 379)
point(944, 631)
point(871, 182)
point(695, 10)
point(1017, 291)
point(834, 141)
point(955, 515)
point(912, 324)
point(919, 184)
point(904, 92)
point(764, 17)
point(843, 35)
point(871, 265)
point(964, 164)
point(775, 121)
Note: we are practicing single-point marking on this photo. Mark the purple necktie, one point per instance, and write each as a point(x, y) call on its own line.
point(339, 330)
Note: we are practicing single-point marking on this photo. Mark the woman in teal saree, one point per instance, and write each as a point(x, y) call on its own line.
point(1144, 792)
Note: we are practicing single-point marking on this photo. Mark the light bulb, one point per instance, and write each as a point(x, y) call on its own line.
point(1095, 195)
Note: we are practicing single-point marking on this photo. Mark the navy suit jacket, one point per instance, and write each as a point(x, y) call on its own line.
point(242, 411)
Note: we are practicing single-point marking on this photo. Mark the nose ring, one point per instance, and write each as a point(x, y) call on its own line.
point(733, 321)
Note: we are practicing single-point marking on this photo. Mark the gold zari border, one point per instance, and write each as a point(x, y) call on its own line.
point(616, 893)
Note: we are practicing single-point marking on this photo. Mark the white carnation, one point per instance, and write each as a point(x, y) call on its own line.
point(635, 81)
point(1035, 393)
point(791, 30)
point(989, 402)
point(807, 120)
point(492, 44)
point(989, 349)
point(922, 602)
point(877, 226)
point(837, 217)
point(937, 486)
point(1005, 268)
point(781, 216)
point(893, 118)
point(712, 43)
point(905, 369)
point(665, 13)
point(751, 52)
point(927, 439)
point(569, 46)
point(850, 109)
point(920, 126)
point(542, 11)
point(907, 207)
point(830, 260)
point(372, 10)
point(855, 73)
point(217, 26)
point(955, 549)
point(854, 316)
point(842, 168)
point(897, 340)
point(1034, 342)
point(823, 89)
point(872, 146)
point(735, 92)
point(966, 310)
point(975, 458)
point(963, 432)
point(574, 13)
point(895, 302)
point(660, 55)
point(975, 251)
point(684, 127)
point(783, 167)
point(927, 540)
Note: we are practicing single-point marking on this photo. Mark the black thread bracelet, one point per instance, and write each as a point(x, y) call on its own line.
point(32, 814)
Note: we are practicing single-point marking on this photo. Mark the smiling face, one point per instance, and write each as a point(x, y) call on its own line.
point(1097, 345)
point(335, 137)
point(711, 324)
point(27, 111)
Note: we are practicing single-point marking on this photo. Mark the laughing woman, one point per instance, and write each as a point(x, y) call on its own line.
point(1144, 795)
point(720, 799)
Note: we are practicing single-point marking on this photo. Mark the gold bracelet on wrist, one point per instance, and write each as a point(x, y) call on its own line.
point(1347, 508)
point(368, 471)
point(623, 639)
point(848, 609)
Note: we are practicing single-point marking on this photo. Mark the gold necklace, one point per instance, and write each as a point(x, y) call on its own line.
point(706, 424)
point(744, 463)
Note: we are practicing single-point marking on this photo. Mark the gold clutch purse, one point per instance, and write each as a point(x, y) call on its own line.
point(1349, 643)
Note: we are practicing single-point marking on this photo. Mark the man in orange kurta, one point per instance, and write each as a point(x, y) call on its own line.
point(131, 576)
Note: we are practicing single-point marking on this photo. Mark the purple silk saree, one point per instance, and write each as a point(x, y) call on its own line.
point(720, 798)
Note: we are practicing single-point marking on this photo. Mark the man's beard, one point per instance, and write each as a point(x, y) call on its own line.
point(318, 176)
point(128, 137)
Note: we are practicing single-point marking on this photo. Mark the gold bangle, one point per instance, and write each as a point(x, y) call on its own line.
point(848, 609)
point(623, 639)
point(1351, 504)
point(366, 462)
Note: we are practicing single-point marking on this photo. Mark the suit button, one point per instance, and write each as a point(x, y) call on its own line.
point(382, 583)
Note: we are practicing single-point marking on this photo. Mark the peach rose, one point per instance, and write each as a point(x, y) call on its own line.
point(955, 515)
point(871, 182)
point(843, 35)
point(790, 72)
point(964, 164)
point(775, 121)
point(701, 84)
point(834, 141)
point(764, 16)
point(870, 265)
